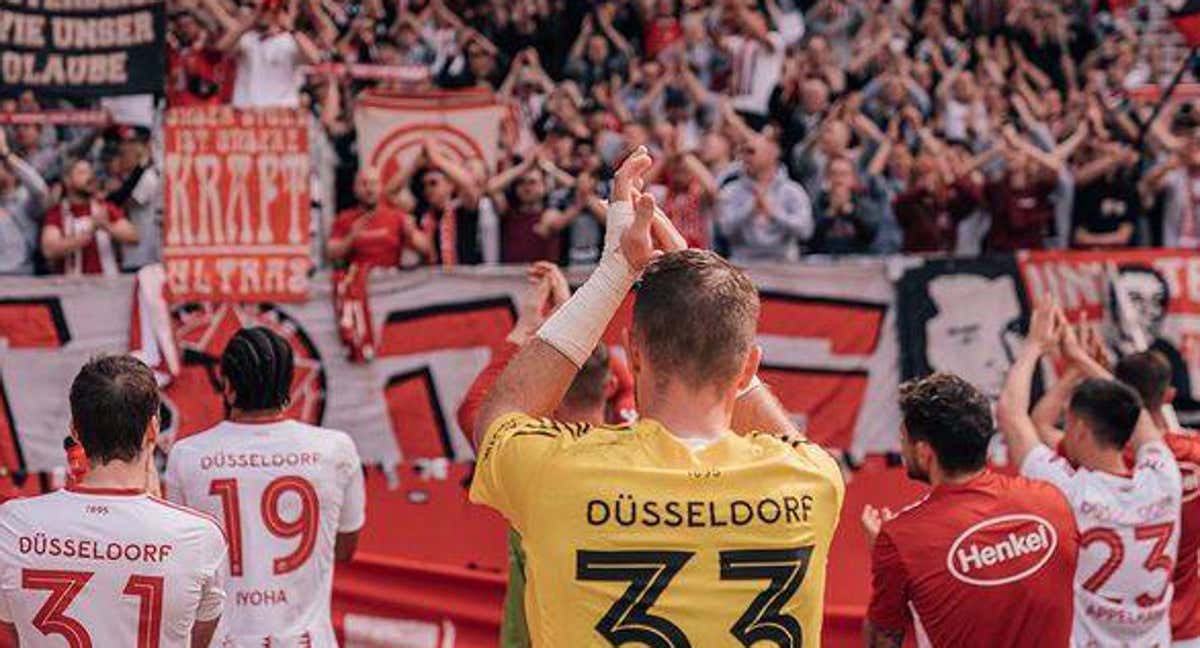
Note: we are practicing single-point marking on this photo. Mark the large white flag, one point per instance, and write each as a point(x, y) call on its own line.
point(463, 124)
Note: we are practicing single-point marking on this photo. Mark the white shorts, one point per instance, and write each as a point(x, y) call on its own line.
point(1186, 643)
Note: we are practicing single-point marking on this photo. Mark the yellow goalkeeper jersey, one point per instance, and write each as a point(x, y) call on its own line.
point(634, 539)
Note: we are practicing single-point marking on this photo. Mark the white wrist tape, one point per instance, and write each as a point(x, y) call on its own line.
point(755, 383)
point(577, 326)
point(618, 217)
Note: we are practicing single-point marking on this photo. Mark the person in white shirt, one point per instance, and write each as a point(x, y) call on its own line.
point(290, 495)
point(269, 53)
point(104, 562)
point(1128, 516)
point(758, 55)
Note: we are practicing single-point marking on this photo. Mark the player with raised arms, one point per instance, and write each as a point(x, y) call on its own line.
point(103, 562)
point(1127, 512)
point(674, 531)
point(290, 495)
point(1149, 374)
point(984, 560)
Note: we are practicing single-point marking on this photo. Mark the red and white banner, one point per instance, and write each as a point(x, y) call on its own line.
point(463, 124)
point(236, 221)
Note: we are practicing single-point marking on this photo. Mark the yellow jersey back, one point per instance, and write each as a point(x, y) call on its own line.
point(633, 538)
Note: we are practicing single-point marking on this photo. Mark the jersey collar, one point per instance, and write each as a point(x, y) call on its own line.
point(94, 490)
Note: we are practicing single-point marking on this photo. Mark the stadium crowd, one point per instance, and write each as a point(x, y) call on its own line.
point(779, 129)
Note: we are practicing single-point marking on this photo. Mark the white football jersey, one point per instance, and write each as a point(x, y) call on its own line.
point(1129, 538)
point(108, 567)
point(284, 491)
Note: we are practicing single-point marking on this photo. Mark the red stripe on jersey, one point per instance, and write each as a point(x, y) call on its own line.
point(200, 514)
point(97, 490)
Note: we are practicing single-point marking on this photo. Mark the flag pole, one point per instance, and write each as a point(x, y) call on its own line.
point(1144, 127)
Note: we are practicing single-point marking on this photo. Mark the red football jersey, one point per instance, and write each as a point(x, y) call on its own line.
point(1185, 607)
point(990, 562)
point(380, 241)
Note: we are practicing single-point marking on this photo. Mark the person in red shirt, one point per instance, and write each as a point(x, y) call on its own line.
point(688, 194)
point(930, 211)
point(198, 74)
point(373, 233)
point(83, 234)
point(984, 559)
point(1021, 202)
point(663, 29)
point(530, 229)
point(1149, 374)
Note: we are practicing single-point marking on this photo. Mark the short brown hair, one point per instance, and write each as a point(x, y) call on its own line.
point(1148, 373)
point(113, 399)
point(695, 317)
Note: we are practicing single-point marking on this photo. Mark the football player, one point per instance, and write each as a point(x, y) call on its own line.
point(290, 496)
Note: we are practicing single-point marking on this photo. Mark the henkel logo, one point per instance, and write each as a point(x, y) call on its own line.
point(1002, 549)
point(1191, 480)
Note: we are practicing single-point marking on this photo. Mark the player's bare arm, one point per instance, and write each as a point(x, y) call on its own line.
point(876, 637)
point(1051, 406)
point(540, 374)
point(1012, 410)
point(1084, 351)
point(203, 631)
point(758, 410)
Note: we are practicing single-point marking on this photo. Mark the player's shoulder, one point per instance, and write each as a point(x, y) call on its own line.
point(519, 425)
point(21, 507)
point(202, 440)
point(798, 450)
point(183, 519)
point(1184, 445)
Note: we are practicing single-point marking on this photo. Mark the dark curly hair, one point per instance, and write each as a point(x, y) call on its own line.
point(952, 416)
point(258, 364)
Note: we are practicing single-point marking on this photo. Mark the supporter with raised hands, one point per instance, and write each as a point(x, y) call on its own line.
point(1126, 511)
point(269, 51)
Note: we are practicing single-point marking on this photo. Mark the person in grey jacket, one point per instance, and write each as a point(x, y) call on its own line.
point(762, 213)
point(23, 195)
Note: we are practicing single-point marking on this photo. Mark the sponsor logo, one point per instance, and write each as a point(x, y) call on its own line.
point(1002, 550)
point(1191, 480)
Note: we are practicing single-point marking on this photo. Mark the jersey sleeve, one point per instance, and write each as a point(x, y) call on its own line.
point(513, 452)
point(889, 586)
point(1155, 461)
point(212, 588)
point(354, 497)
point(1042, 463)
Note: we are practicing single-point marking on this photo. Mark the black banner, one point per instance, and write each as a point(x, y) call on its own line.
point(82, 48)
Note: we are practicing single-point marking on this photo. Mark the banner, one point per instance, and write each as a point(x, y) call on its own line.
point(969, 316)
point(464, 125)
point(824, 330)
point(236, 221)
point(82, 48)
